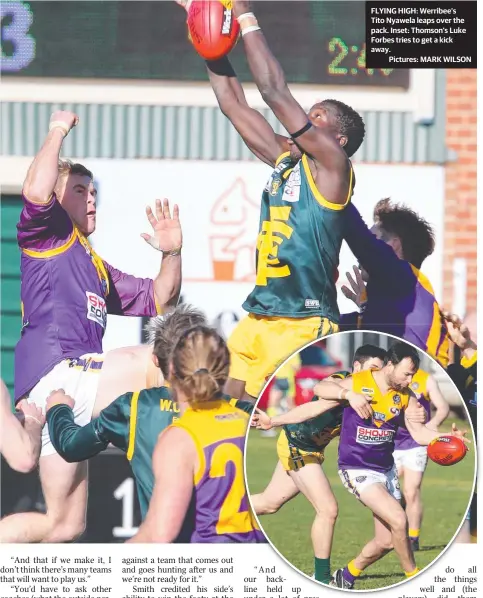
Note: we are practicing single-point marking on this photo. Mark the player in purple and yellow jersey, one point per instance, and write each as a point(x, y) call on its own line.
point(379, 404)
point(300, 450)
point(410, 457)
point(366, 461)
point(200, 455)
point(67, 291)
point(400, 299)
point(19, 443)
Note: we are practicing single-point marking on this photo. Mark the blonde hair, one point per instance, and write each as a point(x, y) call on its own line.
point(200, 363)
point(164, 331)
point(67, 167)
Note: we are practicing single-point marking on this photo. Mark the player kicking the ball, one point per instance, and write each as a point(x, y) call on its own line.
point(300, 450)
point(366, 463)
point(302, 207)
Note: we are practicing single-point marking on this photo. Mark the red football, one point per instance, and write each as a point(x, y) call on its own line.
point(212, 27)
point(447, 450)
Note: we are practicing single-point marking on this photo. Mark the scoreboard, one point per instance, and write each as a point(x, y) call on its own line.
point(317, 42)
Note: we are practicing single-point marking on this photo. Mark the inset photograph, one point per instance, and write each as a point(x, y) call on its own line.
point(360, 461)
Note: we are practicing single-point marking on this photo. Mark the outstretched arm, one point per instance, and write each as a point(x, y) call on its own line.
point(132, 296)
point(421, 433)
point(252, 127)
point(331, 394)
point(270, 80)
point(43, 172)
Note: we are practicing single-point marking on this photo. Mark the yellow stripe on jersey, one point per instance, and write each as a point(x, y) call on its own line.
point(209, 423)
point(467, 363)
point(96, 260)
point(437, 347)
point(132, 425)
point(281, 157)
point(318, 195)
point(388, 406)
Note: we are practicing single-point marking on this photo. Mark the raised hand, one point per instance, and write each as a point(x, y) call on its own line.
point(167, 235)
point(358, 294)
point(64, 120)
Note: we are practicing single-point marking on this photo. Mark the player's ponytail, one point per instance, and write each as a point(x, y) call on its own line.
point(199, 364)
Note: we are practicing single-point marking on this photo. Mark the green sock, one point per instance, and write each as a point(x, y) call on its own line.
point(322, 570)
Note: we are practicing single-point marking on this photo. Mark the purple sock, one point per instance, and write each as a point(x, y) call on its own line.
point(347, 575)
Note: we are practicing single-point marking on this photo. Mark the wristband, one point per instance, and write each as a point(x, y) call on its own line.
point(301, 131)
point(245, 15)
point(58, 124)
point(250, 29)
point(32, 417)
point(172, 252)
point(342, 391)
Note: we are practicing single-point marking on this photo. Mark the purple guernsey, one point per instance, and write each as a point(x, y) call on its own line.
point(67, 290)
point(400, 299)
point(404, 440)
point(369, 443)
point(222, 510)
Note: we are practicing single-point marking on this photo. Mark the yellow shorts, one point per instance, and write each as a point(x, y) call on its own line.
point(259, 344)
point(292, 458)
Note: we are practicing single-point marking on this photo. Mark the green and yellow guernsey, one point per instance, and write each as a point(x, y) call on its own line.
point(298, 246)
point(315, 434)
point(132, 423)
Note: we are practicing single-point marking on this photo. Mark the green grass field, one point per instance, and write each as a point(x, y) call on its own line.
point(446, 493)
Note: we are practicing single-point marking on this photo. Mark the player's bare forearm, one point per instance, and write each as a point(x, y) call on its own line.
point(270, 80)
point(43, 172)
point(438, 418)
point(421, 433)
point(303, 413)
point(167, 285)
point(439, 402)
point(330, 389)
point(228, 90)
